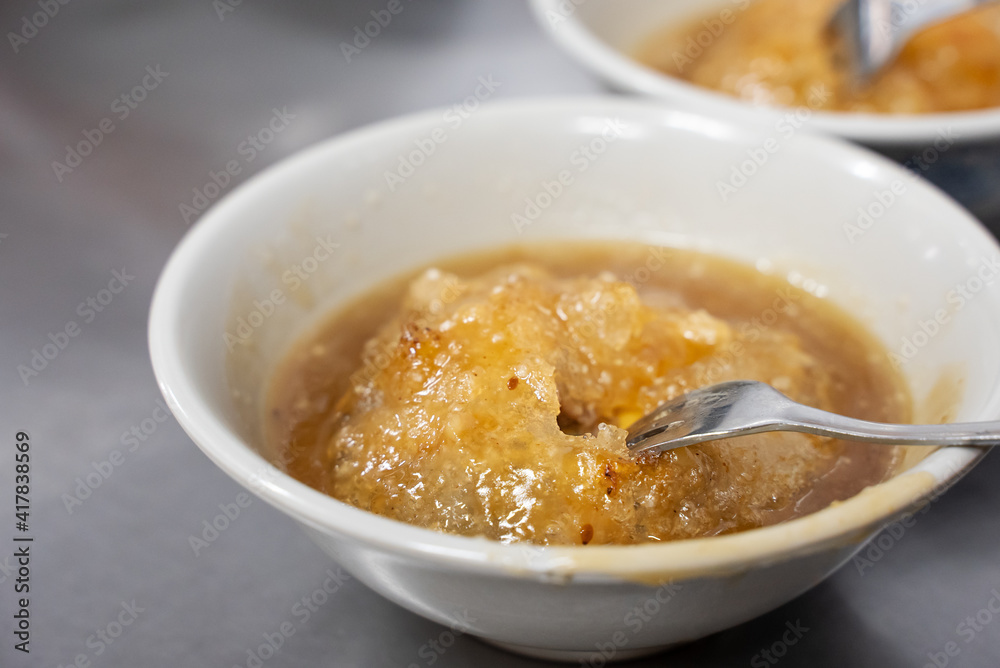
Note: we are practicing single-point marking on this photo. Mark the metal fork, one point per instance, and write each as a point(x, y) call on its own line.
point(742, 407)
point(867, 35)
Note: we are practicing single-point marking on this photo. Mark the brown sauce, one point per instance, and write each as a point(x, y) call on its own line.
point(489, 397)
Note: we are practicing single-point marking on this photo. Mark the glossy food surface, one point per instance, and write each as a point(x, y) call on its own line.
point(775, 52)
point(489, 397)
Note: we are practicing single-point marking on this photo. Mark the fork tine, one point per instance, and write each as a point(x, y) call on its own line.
point(689, 419)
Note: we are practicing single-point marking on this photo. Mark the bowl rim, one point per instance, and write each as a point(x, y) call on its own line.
point(845, 523)
point(628, 74)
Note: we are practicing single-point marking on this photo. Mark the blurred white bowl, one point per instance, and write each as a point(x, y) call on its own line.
point(603, 34)
point(651, 175)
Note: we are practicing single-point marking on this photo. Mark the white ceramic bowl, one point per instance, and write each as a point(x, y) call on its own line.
point(602, 35)
point(332, 212)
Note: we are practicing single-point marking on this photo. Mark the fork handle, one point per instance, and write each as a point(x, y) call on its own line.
point(930, 12)
point(814, 421)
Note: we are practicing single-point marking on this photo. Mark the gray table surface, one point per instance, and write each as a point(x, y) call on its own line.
point(63, 235)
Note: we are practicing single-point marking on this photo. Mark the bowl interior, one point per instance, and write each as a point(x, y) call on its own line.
point(623, 25)
point(603, 35)
point(285, 247)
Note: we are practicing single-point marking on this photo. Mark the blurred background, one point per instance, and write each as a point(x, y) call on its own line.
point(165, 94)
